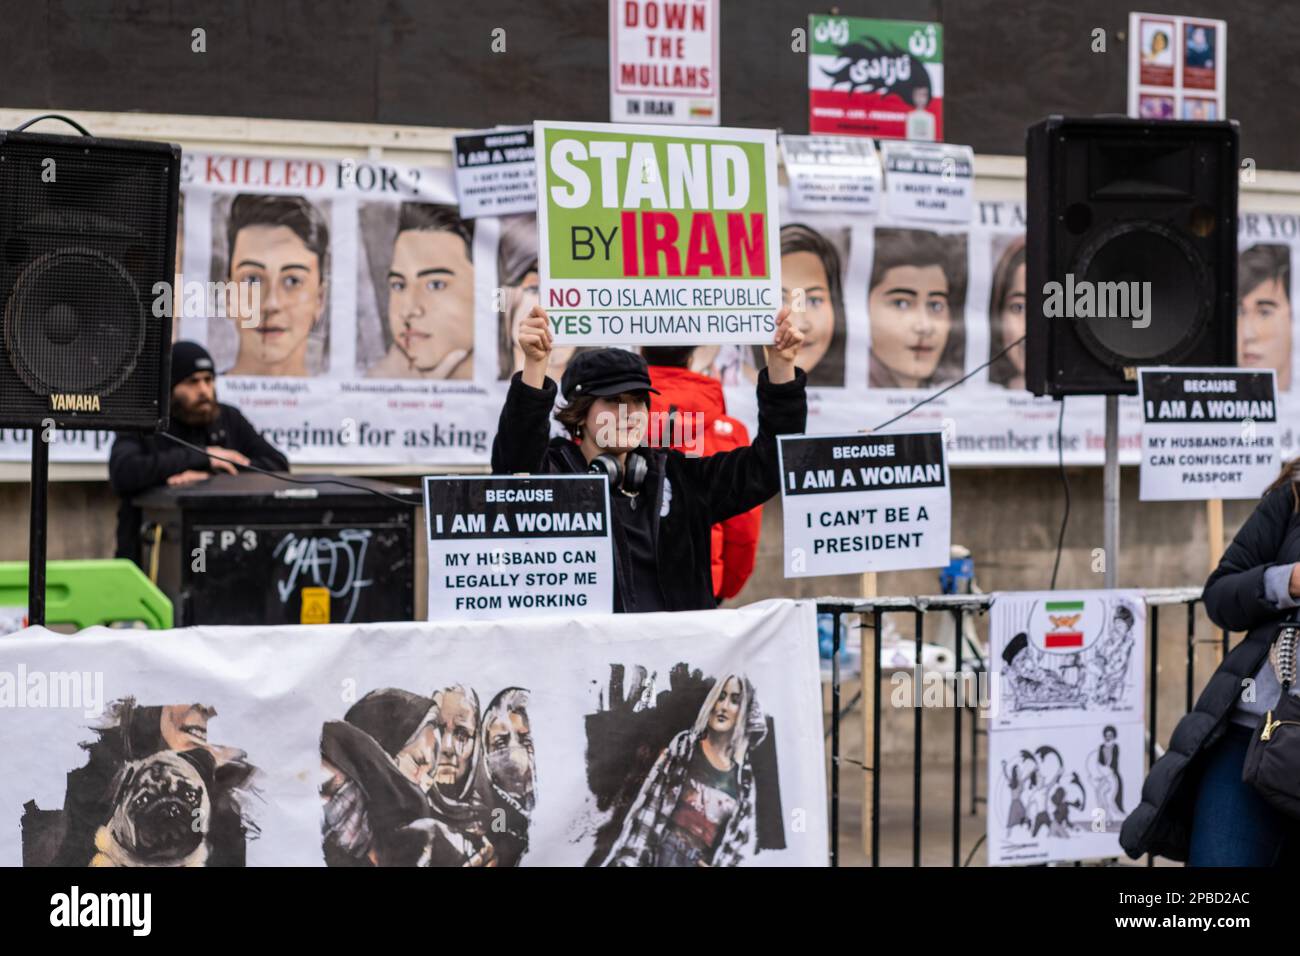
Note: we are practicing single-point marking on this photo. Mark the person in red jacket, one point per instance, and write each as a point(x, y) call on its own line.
point(685, 393)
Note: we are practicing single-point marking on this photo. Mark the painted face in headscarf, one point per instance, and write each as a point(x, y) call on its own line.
point(457, 730)
point(418, 759)
point(726, 709)
point(509, 741)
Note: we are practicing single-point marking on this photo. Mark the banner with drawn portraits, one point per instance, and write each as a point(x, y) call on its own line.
point(693, 739)
point(384, 327)
point(369, 337)
point(894, 311)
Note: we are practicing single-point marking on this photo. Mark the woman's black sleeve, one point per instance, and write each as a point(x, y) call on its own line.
point(733, 482)
point(1234, 593)
point(524, 429)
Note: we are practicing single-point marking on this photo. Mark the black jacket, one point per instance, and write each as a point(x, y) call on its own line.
point(1234, 599)
point(691, 495)
point(139, 462)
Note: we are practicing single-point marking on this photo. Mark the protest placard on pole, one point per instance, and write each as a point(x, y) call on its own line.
point(1207, 433)
point(656, 235)
point(518, 545)
point(864, 502)
point(930, 181)
point(880, 78)
point(495, 172)
point(664, 64)
point(839, 173)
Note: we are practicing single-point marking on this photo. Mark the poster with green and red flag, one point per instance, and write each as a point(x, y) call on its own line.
point(880, 78)
point(656, 235)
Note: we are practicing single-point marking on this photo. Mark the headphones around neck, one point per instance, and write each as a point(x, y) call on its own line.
point(629, 479)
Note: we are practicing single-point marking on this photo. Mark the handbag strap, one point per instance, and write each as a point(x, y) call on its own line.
point(1285, 663)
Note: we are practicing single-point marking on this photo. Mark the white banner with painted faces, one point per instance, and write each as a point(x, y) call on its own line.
point(604, 740)
point(374, 293)
point(348, 307)
point(894, 310)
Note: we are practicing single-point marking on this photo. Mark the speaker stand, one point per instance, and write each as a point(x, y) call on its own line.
point(37, 526)
point(1110, 493)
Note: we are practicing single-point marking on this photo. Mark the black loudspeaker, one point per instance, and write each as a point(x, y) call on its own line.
point(87, 231)
point(1114, 204)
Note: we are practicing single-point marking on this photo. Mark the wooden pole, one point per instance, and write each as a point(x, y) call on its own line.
point(1214, 526)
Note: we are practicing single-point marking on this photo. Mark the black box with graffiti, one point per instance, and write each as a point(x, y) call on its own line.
point(253, 549)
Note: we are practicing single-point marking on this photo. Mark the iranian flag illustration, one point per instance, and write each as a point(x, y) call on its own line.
point(1065, 616)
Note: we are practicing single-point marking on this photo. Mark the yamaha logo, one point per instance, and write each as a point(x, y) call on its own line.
point(74, 403)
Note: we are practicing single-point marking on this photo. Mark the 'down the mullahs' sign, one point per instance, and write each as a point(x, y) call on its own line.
point(658, 235)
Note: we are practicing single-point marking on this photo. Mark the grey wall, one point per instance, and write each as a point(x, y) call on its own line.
point(1008, 518)
point(429, 62)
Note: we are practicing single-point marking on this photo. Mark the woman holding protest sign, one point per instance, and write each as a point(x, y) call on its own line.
point(664, 503)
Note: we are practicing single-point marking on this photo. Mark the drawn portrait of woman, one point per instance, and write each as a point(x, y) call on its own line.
point(1007, 318)
point(697, 804)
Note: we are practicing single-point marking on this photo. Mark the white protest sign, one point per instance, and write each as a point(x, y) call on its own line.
point(865, 502)
point(929, 181)
point(663, 62)
point(658, 235)
point(1207, 433)
point(495, 172)
point(832, 172)
point(502, 546)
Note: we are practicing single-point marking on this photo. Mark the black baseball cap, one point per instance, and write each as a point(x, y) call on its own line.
point(605, 372)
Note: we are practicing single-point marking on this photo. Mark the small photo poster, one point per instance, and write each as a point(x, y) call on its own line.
point(1177, 67)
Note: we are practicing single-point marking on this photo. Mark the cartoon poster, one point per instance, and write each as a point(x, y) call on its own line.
point(1066, 750)
point(1067, 657)
point(1062, 793)
point(694, 739)
point(879, 78)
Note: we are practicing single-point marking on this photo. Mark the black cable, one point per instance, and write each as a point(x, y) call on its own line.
point(283, 477)
point(58, 116)
point(951, 385)
point(1065, 482)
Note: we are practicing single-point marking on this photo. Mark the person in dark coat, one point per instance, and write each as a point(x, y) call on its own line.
point(139, 462)
point(1194, 805)
point(664, 503)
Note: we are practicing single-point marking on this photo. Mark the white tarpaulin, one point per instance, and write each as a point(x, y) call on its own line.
point(655, 739)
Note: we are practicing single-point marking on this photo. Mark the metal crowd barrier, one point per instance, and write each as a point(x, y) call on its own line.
point(871, 613)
